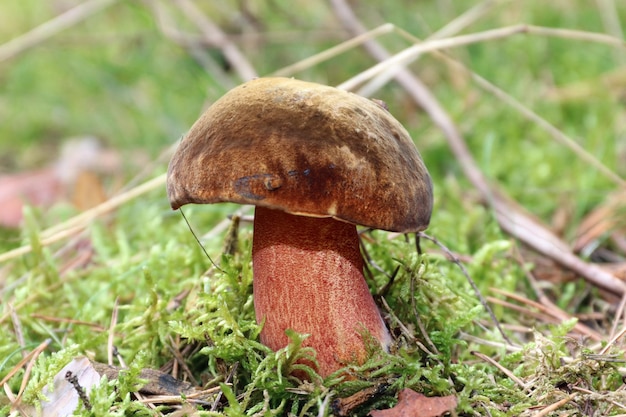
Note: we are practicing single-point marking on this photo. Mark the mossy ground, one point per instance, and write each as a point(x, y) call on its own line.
point(117, 77)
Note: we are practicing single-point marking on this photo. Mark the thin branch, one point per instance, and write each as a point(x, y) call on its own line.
point(512, 218)
point(610, 18)
point(502, 369)
point(196, 46)
point(467, 18)
point(215, 35)
point(555, 406)
point(450, 29)
point(17, 328)
point(408, 55)
point(611, 342)
point(52, 27)
point(498, 345)
point(552, 312)
point(334, 51)
point(546, 305)
point(469, 279)
point(618, 316)
point(111, 336)
point(78, 223)
point(557, 134)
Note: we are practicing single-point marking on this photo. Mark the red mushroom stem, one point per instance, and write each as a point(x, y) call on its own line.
point(308, 276)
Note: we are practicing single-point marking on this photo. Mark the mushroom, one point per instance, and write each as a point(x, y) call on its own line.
point(315, 161)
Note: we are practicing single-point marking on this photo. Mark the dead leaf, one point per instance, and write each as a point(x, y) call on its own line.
point(39, 188)
point(88, 191)
point(413, 404)
point(62, 396)
point(72, 175)
point(72, 384)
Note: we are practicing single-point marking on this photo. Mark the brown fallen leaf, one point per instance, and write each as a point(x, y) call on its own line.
point(413, 404)
point(72, 384)
point(39, 188)
point(71, 176)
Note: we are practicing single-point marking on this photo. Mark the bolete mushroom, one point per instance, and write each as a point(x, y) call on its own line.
point(315, 161)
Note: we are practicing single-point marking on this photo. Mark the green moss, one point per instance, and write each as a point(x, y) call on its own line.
point(117, 77)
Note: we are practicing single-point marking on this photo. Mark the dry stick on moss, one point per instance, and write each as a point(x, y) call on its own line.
point(611, 342)
point(498, 345)
point(469, 279)
point(194, 398)
point(504, 370)
point(174, 363)
point(110, 345)
point(511, 217)
point(618, 316)
point(30, 356)
point(180, 361)
point(31, 362)
point(547, 304)
point(546, 313)
point(409, 334)
point(555, 406)
point(17, 328)
point(92, 326)
point(229, 378)
point(418, 319)
point(525, 310)
point(52, 27)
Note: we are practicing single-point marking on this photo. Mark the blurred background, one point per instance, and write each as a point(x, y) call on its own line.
point(104, 88)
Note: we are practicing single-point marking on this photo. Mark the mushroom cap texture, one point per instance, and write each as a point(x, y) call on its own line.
point(307, 149)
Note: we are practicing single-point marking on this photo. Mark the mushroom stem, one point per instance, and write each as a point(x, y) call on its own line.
point(308, 276)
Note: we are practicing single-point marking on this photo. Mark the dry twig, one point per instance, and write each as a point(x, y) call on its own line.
point(511, 217)
point(195, 46)
point(502, 369)
point(78, 223)
point(215, 35)
point(551, 311)
point(111, 336)
point(52, 27)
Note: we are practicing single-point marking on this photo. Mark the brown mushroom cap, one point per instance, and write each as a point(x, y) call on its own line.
point(307, 149)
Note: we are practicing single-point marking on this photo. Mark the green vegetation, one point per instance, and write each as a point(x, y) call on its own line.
point(117, 76)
